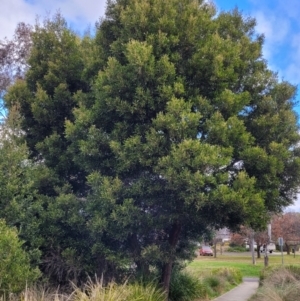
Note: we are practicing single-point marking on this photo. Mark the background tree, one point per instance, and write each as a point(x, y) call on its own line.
point(20, 205)
point(13, 60)
point(261, 238)
point(38, 105)
point(47, 96)
point(47, 217)
point(13, 56)
point(287, 226)
point(238, 239)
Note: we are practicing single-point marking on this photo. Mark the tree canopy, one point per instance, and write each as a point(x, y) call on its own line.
point(164, 125)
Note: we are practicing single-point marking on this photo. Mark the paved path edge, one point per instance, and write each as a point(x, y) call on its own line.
point(242, 292)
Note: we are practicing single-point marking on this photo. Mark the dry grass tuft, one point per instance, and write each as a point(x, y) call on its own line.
point(281, 277)
point(36, 293)
point(96, 291)
point(280, 284)
point(93, 291)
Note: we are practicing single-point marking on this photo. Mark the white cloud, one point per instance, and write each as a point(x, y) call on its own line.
point(279, 21)
point(276, 29)
point(295, 207)
point(80, 14)
point(292, 69)
point(283, 8)
point(11, 13)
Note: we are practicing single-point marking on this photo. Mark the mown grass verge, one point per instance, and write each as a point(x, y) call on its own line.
point(241, 262)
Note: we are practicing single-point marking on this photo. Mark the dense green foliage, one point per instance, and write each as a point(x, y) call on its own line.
point(190, 286)
point(46, 99)
point(186, 287)
point(237, 249)
point(20, 181)
point(165, 125)
point(15, 270)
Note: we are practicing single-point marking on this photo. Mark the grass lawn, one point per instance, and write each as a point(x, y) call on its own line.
point(243, 262)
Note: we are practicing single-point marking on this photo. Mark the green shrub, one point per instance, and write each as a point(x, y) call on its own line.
point(186, 287)
point(237, 249)
point(222, 280)
point(212, 281)
point(230, 275)
point(15, 270)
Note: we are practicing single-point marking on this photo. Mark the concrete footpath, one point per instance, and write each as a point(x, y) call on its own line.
point(242, 292)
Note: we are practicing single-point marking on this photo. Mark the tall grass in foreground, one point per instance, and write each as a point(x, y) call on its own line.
point(94, 291)
point(184, 287)
point(36, 293)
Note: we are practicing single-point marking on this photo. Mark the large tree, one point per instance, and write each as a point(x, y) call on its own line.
point(38, 104)
point(46, 96)
point(188, 130)
point(177, 121)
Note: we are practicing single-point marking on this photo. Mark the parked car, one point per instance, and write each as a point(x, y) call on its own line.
point(206, 251)
point(270, 248)
point(249, 249)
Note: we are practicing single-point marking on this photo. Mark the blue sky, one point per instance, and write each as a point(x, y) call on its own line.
point(278, 20)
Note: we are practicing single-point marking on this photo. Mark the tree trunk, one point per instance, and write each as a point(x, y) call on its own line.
point(266, 258)
point(215, 250)
point(266, 261)
point(288, 249)
point(141, 265)
point(167, 268)
point(258, 251)
point(166, 277)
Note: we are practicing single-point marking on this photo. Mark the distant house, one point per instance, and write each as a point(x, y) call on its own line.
point(223, 235)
